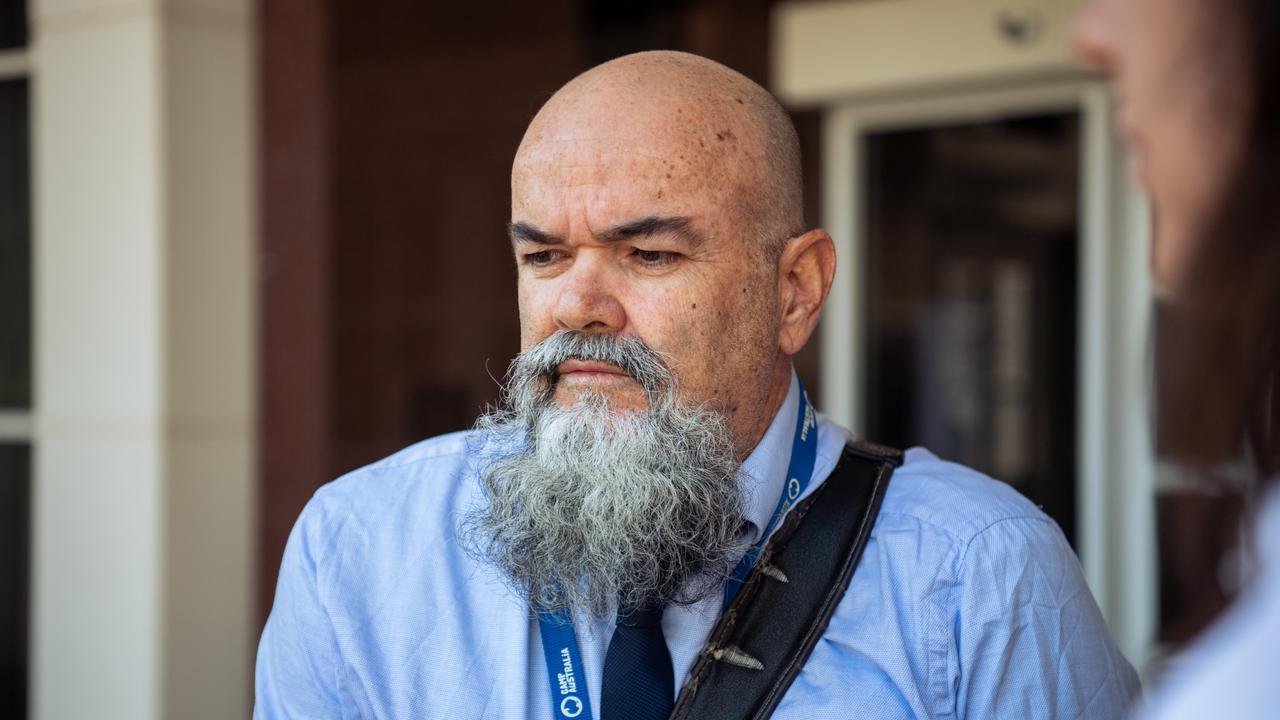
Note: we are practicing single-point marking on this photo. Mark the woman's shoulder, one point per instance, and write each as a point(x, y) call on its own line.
point(1231, 670)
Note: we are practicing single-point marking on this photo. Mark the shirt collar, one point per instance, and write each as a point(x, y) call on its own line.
point(763, 473)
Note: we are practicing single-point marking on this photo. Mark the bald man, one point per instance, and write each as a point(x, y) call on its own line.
point(569, 555)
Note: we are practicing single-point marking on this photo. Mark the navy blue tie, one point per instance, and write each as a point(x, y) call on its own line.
point(639, 683)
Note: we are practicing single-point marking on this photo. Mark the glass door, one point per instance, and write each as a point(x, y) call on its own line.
point(991, 304)
point(971, 293)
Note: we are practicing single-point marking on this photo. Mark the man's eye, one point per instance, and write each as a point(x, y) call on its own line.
point(540, 258)
point(655, 257)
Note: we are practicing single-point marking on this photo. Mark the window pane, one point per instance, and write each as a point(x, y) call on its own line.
point(15, 247)
point(13, 24)
point(971, 298)
point(15, 549)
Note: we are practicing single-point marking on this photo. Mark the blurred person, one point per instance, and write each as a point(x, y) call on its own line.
point(1197, 84)
point(653, 434)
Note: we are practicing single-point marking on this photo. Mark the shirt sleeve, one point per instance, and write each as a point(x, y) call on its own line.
point(1030, 641)
point(299, 669)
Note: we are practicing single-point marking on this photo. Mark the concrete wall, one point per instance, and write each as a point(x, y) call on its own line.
point(143, 500)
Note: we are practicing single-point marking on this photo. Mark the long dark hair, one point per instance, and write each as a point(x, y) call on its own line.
point(1221, 391)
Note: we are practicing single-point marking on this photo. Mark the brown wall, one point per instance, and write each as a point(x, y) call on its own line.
point(387, 135)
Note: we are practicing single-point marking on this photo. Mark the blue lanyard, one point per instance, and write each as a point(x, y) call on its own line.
point(804, 453)
point(565, 672)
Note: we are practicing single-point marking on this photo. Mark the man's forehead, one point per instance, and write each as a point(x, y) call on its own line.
point(545, 159)
point(603, 181)
point(615, 167)
point(616, 150)
point(666, 151)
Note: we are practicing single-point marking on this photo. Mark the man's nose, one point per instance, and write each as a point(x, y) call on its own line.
point(588, 300)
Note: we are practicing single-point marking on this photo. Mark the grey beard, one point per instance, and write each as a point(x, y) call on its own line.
point(586, 506)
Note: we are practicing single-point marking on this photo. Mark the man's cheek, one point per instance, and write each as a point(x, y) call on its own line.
point(535, 315)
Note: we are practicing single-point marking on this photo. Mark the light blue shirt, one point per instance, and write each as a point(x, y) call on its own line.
point(968, 603)
point(1234, 670)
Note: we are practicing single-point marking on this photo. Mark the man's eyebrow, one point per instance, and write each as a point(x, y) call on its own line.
point(524, 232)
point(676, 225)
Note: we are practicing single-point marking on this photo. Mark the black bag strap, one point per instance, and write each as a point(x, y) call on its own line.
point(762, 640)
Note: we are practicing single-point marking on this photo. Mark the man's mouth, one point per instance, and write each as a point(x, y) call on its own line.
point(590, 370)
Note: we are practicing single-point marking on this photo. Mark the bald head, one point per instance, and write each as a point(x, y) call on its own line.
point(701, 131)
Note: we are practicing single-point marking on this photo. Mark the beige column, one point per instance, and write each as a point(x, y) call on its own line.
point(143, 494)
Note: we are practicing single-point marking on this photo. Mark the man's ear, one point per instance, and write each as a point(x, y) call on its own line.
point(805, 272)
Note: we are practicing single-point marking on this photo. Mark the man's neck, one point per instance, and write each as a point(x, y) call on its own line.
point(779, 384)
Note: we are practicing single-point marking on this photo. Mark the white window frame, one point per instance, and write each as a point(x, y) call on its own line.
point(1116, 467)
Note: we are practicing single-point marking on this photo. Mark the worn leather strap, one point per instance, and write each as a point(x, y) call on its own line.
point(762, 640)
